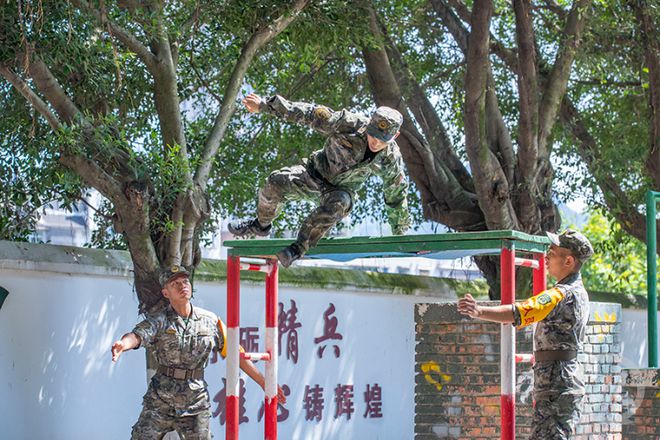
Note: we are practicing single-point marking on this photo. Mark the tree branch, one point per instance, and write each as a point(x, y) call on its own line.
point(555, 87)
point(528, 92)
point(51, 89)
point(490, 182)
point(124, 36)
point(30, 96)
point(498, 137)
point(616, 198)
point(426, 115)
point(608, 83)
point(445, 200)
point(259, 39)
point(652, 45)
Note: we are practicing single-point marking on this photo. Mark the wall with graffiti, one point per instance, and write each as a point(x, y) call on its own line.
point(346, 359)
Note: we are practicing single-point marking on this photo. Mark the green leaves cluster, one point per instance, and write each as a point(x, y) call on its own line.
point(619, 262)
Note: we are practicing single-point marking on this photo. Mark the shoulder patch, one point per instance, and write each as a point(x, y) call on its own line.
point(544, 299)
point(322, 113)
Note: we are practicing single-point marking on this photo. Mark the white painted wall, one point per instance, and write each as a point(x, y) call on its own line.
point(57, 380)
point(634, 340)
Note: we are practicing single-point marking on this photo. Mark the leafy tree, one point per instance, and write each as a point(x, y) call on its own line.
point(500, 104)
point(619, 262)
point(117, 96)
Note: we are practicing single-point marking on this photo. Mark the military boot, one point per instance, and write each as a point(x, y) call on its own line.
point(243, 228)
point(289, 254)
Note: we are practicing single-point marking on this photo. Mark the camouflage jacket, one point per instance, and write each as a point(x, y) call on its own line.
point(340, 161)
point(178, 344)
point(562, 313)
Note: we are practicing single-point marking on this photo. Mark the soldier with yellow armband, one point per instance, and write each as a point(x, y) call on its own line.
point(182, 338)
point(562, 313)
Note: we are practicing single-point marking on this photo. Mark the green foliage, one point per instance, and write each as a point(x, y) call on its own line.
point(619, 261)
point(316, 59)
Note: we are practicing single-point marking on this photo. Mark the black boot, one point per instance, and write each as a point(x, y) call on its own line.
point(289, 254)
point(243, 228)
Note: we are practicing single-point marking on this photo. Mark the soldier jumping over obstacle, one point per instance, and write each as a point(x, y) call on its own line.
point(562, 313)
point(357, 147)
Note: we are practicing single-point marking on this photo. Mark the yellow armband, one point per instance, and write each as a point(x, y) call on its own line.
point(536, 308)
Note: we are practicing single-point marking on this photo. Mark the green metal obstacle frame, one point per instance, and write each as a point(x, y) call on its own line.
point(506, 244)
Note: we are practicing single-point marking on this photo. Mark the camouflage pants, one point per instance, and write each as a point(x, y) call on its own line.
point(154, 423)
point(299, 183)
point(555, 417)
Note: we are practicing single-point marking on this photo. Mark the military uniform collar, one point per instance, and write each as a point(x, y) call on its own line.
point(570, 278)
point(173, 315)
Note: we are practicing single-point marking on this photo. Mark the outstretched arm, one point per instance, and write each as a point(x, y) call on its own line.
point(322, 119)
point(395, 191)
point(468, 306)
point(255, 375)
point(127, 342)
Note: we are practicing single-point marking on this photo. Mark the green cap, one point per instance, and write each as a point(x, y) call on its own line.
point(384, 124)
point(575, 242)
point(169, 273)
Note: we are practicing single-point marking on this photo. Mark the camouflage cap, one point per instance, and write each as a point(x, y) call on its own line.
point(171, 272)
point(574, 241)
point(384, 123)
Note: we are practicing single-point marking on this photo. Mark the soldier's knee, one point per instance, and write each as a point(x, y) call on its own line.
point(339, 201)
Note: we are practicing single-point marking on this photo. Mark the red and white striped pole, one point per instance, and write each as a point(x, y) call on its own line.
point(508, 344)
point(539, 277)
point(233, 355)
point(270, 429)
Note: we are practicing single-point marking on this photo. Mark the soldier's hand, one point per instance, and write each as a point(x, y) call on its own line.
point(281, 398)
point(252, 102)
point(117, 349)
point(468, 306)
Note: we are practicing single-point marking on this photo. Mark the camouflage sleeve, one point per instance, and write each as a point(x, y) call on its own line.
point(322, 119)
point(536, 308)
point(395, 191)
point(147, 330)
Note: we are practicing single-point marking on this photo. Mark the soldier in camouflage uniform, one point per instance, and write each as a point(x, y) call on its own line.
point(562, 313)
point(182, 337)
point(357, 148)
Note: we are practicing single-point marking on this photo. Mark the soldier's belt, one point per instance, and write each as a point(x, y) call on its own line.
point(555, 355)
point(181, 373)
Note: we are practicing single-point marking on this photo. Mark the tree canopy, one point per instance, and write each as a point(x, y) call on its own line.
point(508, 109)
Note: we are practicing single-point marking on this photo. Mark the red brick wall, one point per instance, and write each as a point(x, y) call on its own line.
point(641, 399)
point(457, 394)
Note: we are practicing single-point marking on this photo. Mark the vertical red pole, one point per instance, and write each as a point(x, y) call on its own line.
point(539, 280)
point(233, 326)
point(270, 429)
point(508, 344)
point(539, 284)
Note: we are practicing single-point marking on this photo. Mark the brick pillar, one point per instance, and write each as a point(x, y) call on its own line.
point(641, 404)
point(457, 390)
point(601, 407)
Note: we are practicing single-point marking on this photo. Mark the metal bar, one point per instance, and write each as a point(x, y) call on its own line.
point(526, 357)
point(256, 356)
point(508, 343)
point(233, 328)
point(539, 284)
point(270, 419)
point(540, 275)
point(383, 249)
point(255, 267)
point(652, 276)
point(526, 262)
